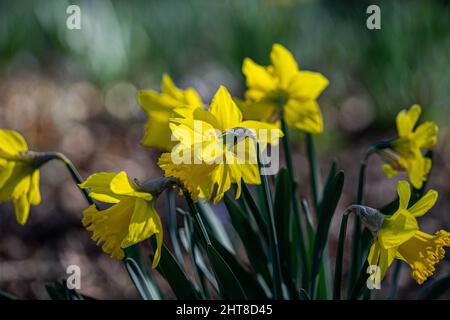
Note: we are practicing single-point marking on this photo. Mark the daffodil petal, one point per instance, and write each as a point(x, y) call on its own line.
point(22, 209)
point(404, 194)
point(397, 229)
point(406, 120)
point(224, 109)
point(284, 64)
point(142, 225)
point(99, 185)
point(424, 204)
point(426, 135)
point(304, 115)
point(121, 185)
point(257, 77)
point(307, 85)
point(34, 195)
point(11, 143)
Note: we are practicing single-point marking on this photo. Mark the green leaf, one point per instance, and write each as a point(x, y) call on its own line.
point(213, 224)
point(229, 285)
point(6, 296)
point(139, 276)
point(250, 287)
point(192, 246)
point(435, 289)
point(60, 291)
point(303, 295)
point(361, 281)
point(284, 222)
point(173, 273)
point(251, 240)
point(172, 225)
point(331, 196)
point(260, 219)
point(339, 259)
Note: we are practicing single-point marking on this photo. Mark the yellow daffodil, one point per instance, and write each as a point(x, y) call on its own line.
point(406, 153)
point(400, 238)
point(281, 89)
point(159, 107)
point(19, 174)
point(131, 219)
point(217, 165)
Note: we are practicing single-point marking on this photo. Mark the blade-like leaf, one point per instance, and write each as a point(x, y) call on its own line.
point(229, 285)
point(213, 224)
point(142, 281)
point(250, 239)
point(173, 273)
point(435, 289)
point(250, 286)
point(332, 194)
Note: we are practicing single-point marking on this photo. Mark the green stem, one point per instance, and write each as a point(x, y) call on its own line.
point(73, 172)
point(314, 170)
point(296, 211)
point(197, 219)
point(172, 224)
point(339, 259)
point(273, 242)
point(356, 237)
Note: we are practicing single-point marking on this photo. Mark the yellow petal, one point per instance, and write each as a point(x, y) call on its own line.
point(152, 101)
point(121, 185)
point(258, 78)
point(34, 195)
point(11, 143)
point(157, 132)
point(262, 110)
point(6, 169)
point(388, 170)
point(304, 115)
point(418, 168)
point(142, 225)
point(221, 176)
point(424, 204)
point(386, 259)
point(406, 120)
point(425, 135)
point(110, 226)
point(307, 85)
point(159, 239)
point(374, 254)
point(206, 116)
point(404, 194)
point(169, 88)
point(22, 209)
point(284, 64)
point(397, 229)
point(100, 189)
point(265, 132)
point(225, 110)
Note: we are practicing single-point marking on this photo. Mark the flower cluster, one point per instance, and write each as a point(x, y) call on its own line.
point(209, 148)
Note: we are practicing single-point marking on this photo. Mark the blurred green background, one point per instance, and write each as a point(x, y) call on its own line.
point(74, 91)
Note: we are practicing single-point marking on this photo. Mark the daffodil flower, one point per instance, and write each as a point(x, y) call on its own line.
point(159, 107)
point(217, 165)
point(19, 174)
point(406, 153)
point(131, 219)
point(281, 89)
point(400, 238)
